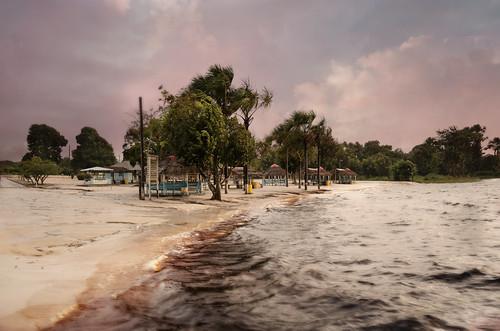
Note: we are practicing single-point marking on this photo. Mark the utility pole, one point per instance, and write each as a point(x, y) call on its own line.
point(141, 181)
point(319, 184)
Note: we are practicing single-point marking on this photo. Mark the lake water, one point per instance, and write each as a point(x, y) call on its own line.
point(394, 256)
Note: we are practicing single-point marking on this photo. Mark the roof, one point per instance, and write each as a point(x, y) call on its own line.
point(124, 166)
point(173, 168)
point(97, 169)
point(238, 171)
point(346, 171)
point(322, 171)
point(275, 171)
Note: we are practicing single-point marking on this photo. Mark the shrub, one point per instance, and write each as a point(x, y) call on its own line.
point(403, 170)
point(83, 176)
point(37, 170)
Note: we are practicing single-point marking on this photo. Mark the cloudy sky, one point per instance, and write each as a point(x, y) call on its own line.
point(390, 70)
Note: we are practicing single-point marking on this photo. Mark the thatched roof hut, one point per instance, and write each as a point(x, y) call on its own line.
point(125, 166)
point(314, 172)
point(237, 172)
point(172, 168)
point(275, 171)
point(345, 176)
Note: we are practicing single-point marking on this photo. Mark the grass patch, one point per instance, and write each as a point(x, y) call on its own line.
point(434, 178)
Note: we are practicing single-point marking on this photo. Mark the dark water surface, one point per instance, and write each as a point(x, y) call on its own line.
point(386, 257)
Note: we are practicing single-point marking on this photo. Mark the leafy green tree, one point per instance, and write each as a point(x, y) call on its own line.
point(462, 149)
point(240, 146)
point(154, 140)
point(37, 170)
point(196, 131)
point(45, 142)
point(92, 150)
point(217, 84)
point(403, 170)
point(494, 145)
point(427, 157)
point(65, 167)
point(377, 165)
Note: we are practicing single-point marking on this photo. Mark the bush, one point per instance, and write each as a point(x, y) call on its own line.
point(37, 170)
point(83, 176)
point(403, 170)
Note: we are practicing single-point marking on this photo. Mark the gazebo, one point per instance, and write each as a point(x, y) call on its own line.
point(274, 176)
point(345, 176)
point(324, 176)
point(99, 176)
point(237, 175)
point(175, 178)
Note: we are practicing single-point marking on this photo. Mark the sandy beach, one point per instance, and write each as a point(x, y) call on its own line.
point(65, 243)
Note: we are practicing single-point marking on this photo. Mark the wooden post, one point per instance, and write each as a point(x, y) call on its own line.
point(286, 175)
point(149, 176)
point(141, 181)
point(319, 184)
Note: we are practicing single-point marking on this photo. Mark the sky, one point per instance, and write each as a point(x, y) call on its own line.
point(392, 70)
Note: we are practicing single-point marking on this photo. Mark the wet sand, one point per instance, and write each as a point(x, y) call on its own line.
point(68, 243)
point(391, 256)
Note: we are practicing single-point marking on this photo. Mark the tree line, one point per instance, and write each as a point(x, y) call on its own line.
point(45, 145)
point(207, 126)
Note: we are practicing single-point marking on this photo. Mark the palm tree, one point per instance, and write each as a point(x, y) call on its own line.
point(319, 131)
point(302, 122)
point(249, 101)
point(216, 83)
point(282, 134)
point(494, 144)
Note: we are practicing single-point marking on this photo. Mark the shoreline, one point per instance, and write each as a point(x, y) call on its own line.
point(47, 276)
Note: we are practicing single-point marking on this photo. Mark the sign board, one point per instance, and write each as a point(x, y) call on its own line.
point(152, 173)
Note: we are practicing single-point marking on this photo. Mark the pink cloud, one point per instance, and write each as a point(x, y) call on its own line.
point(403, 94)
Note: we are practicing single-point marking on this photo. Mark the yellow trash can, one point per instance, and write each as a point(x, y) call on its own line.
point(249, 188)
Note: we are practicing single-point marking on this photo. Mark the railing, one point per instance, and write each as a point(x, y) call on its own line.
point(176, 188)
point(274, 182)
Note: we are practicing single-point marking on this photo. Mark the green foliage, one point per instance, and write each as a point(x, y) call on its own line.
point(377, 165)
point(427, 157)
point(494, 145)
point(462, 149)
point(65, 166)
point(436, 178)
point(240, 147)
point(197, 133)
point(154, 140)
point(403, 170)
point(92, 150)
point(44, 142)
point(10, 167)
point(37, 170)
point(83, 176)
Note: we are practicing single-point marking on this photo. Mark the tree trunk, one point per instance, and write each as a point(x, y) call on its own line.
point(300, 170)
point(216, 188)
point(246, 123)
point(305, 166)
point(245, 178)
point(286, 175)
point(226, 177)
